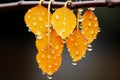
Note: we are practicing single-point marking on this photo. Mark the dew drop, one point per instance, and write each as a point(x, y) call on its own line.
point(43, 73)
point(40, 18)
point(92, 32)
point(77, 52)
point(80, 27)
point(64, 41)
point(69, 50)
point(64, 23)
point(99, 30)
point(28, 17)
point(89, 47)
point(74, 63)
point(81, 19)
point(89, 24)
point(29, 30)
point(71, 39)
point(49, 56)
point(39, 36)
point(76, 44)
point(49, 66)
point(56, 16)
point(57, 47)
point(92, 8)
point(84, 56)
point(33, 18)
point(63, 30)
point(34, 23)
point(43, 56)
point(50, 76)
point(56, 64)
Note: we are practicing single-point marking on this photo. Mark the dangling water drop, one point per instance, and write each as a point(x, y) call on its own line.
point(74, 63)
point(89, 47)
point(56, 16)
point(50, 76)
point(92, 8)
point(43, 73)
point(29, 30)
point(39, 36)
point(99, 30)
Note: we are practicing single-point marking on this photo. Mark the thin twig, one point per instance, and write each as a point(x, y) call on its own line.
point(74, 5)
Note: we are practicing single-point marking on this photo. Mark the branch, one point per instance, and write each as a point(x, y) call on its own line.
point(28, 4)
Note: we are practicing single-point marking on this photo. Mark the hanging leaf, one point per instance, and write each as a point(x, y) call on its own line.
point(77, 45)
point(36, 19)
point(63, 21)
point(55, 41)
point(90, 25)
point(48, 61)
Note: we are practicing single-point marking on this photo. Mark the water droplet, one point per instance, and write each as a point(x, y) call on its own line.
point(92, 32)
point(72, 33)
point(46, 25)
point(49, 56)
point(89, 47)
point(63, 30)
point(89, 24)
point(57, 47)
point(42, 49)
point(34, 23)
point(80, 27)
point(69, 50)
point(99, 30)
point(96, 25)
point(43, 56)
point(29, 30)
point(49, 66)
point(56, 16)
point(76, 44)
point(71, 39)
point(40, 18)
point(77, 52)
point(43, 73)
point(91, 8)
point(33, 18)
point(81, 9)
point(64, 23)
point(50, 76)
point(80, 19)
point(28, 17)
point(84, 56)
point(64, 41)
point(74, 63)
point(53, 9)
point(39, 36)
point(56, 64)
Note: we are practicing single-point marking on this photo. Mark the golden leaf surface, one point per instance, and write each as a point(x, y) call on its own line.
point(37, 20)
point(55, 41)
point(48, 61)
point(90, 25)
point(77, 45)
point(63, 21)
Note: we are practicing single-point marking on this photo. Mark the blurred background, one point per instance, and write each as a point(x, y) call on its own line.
point(18, 51)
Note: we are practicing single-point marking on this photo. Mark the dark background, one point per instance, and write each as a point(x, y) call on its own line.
point(18, 51)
